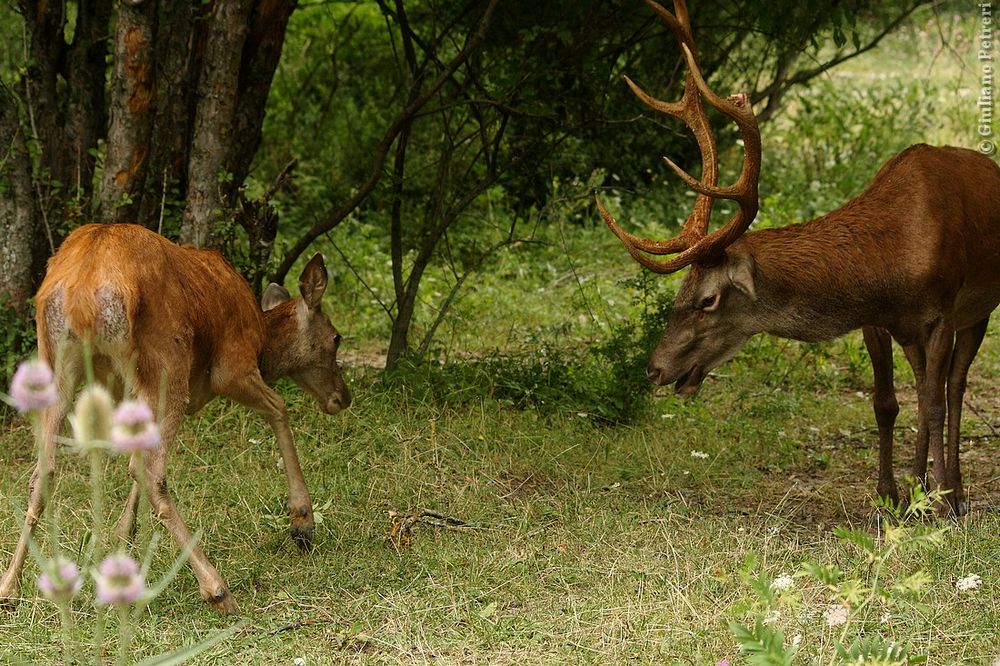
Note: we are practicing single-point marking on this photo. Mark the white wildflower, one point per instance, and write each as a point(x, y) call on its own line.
point(299, 661)
point(782, 583)
point(835, 614)
point(969, 582)
point(772, 617)
point(796, 639)
point(699, 454)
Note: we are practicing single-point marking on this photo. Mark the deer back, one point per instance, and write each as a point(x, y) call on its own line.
point(132, 294)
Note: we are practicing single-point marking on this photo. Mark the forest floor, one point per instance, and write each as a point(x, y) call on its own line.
point(584, 543)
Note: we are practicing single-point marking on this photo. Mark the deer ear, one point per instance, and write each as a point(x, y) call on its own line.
point(740, 268)
point(312, 284)
point(273, 296)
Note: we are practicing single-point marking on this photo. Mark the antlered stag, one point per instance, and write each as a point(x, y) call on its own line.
point(154, 314)
point(913, 258)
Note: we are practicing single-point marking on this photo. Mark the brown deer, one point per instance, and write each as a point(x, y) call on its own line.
point(913, 258)
point(153, 313)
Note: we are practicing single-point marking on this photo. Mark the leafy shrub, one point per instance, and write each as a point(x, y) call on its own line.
point(876, 587)
point(606, 380)
point(17, 339)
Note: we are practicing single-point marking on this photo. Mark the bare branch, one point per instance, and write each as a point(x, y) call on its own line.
point(382, 149)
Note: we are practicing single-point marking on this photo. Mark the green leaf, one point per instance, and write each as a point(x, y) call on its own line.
point(857, 537)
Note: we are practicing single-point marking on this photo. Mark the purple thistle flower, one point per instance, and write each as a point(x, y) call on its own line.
point(722, 662)
point(32, 387)
point(119, 581)
point(133, 427)
point(60, 581)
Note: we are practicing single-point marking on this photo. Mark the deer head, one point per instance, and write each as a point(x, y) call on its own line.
point(704, 330)
point(302, 343)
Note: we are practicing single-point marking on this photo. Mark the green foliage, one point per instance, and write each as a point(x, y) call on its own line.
point(762, 645)
point(605, 380)
point(838, 137)
point(871, 586)
point(878, 652)
point(17, 339)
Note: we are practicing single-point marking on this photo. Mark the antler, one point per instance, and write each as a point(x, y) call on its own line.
point(694, 242)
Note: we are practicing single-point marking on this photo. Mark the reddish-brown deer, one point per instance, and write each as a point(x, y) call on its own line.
point(154, 314)
point(912, 258)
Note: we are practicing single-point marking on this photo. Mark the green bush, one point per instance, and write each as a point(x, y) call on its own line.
point(17, 339)
point(605, 380)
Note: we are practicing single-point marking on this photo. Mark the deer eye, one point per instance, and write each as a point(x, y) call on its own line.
point(709, 302)
point(336, 339)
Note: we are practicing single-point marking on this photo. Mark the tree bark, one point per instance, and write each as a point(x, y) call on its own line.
point(214, 119)
point(45, 22)
point(17, 209)
point(86, 118)
point(177, 43)
point(132, 106)
point(261, 54)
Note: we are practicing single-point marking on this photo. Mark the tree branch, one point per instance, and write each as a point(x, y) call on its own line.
point(382, 149)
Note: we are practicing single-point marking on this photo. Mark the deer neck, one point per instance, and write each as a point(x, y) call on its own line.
point(276, 358)
point(804, 291)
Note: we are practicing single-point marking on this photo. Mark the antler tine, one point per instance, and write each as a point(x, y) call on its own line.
point(636, 246)
point(744, 190)
point(694, 242)
point(690, 110)
point(631, 241)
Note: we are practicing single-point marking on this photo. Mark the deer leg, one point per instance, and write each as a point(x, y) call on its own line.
point(967, 342)
point(251, 391)
point(125, 529)
point(211, 585)
point(879, 344)
point(931, 402)
point(67, 379)
point(917, 358)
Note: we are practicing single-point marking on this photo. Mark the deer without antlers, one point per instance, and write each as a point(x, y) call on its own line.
point(149, 312)
point(912, 258)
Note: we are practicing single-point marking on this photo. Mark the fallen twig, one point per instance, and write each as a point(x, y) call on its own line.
point(297, 624)
point(400, 535)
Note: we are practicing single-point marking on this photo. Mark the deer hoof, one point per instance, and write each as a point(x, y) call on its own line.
point(302, 535)
point(10, 593)
point(221, 600)
point(302, 527)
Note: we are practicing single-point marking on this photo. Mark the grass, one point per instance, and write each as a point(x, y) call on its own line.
point(587, 543)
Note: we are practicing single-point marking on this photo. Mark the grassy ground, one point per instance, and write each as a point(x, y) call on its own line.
point(587, 543)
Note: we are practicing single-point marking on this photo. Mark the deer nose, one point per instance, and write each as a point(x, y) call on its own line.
point(654, 374)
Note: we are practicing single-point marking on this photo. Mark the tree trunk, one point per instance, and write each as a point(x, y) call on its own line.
point(177, 42)
point(45, 22)
point(132, 96)
point(261, 54)
point(85, 113)
point(212, 135)
point(17, 209)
